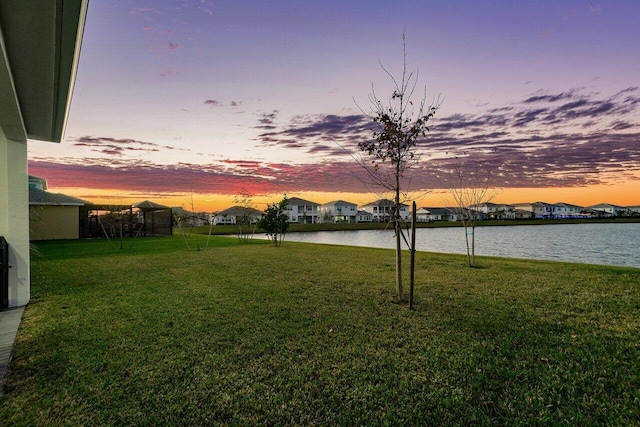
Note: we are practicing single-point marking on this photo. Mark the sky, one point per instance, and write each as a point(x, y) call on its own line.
point(194, 102)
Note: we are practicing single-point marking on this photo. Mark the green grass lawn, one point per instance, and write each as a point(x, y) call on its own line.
point(310, 335)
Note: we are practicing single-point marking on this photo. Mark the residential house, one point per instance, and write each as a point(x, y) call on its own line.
point(364, 216)
point(300, 211)
point(609, 210)
point(560, 210)
point(39, 52)
point(338, 211)
point(569, 211)
point(495, 210)
point(382, 210)
point(431, 214)
point(185, 218)
point(237, 215)
point(539, 210)
point(54, 216)
point(523, 214)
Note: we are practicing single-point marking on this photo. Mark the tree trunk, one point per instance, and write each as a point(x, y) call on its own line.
point(466, 238)
point(473, 245)
point(398, 230)
point(399, 264)
point(413, 254)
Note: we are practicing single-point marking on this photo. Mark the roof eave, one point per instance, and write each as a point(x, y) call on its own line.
point(49, 34)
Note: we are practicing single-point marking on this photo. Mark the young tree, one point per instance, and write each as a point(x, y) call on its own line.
point(183, 218)
point(394, 148)
point(113, 224)
point(471, 191)
point(246, 216)
point(275, 221)
point(180, 220)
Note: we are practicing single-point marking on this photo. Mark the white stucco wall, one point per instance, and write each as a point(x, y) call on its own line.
point(14, 216)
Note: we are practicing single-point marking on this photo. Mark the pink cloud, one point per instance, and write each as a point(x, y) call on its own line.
point(547, 33)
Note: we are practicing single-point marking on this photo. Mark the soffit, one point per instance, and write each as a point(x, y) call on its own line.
point(41, 47)
point(10, 118)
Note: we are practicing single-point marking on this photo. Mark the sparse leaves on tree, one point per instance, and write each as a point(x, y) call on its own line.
point(471, 190)
point(399, 125)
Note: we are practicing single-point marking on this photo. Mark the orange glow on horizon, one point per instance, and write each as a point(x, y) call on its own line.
point(623, 194)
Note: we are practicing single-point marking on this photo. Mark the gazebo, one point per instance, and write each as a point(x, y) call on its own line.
point(154, 218)
point(145, 218)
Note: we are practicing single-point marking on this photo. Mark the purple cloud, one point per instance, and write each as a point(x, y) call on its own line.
point(564, 139)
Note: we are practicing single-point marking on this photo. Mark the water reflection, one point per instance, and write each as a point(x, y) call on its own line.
point(606, 243)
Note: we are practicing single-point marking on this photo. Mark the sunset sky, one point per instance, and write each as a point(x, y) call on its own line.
point(181, 100)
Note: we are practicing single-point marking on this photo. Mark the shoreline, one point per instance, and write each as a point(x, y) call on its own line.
point(293, 228)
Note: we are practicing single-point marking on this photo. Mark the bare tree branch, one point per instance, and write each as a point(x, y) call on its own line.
point(393, 150)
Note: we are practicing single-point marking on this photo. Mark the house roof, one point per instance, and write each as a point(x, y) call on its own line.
point(41, 198)
point(298, 201)
point(339, 202)
point(383, 202)
point(567, 205)
point(240, 211)
point(148, 205)
point(544, 204)
point(605, 205)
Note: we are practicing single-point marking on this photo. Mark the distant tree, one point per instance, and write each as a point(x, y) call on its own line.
point(471, 191)
point(394, 150)
point(275, 221)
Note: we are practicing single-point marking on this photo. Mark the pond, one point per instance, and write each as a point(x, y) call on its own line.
point(591, 243)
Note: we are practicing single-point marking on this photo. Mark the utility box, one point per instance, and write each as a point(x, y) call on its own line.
point(4, 274)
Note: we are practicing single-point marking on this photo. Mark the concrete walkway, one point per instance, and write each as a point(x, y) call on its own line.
point(9, 323)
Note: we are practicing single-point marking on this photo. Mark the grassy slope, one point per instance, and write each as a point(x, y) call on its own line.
point(309, 334)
